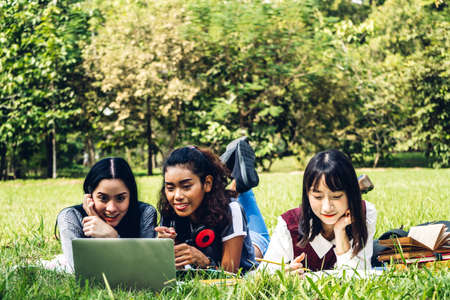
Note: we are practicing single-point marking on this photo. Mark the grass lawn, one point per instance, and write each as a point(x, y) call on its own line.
point(402, 197)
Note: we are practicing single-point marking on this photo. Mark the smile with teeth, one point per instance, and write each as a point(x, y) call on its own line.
point(110, 217)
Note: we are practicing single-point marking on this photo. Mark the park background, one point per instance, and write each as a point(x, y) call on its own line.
point(82, 80)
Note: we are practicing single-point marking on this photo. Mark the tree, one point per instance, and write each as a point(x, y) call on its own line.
point(427, 77)
point(140, 59)
point(271, 72)
point(401, 72)
point(39, 51)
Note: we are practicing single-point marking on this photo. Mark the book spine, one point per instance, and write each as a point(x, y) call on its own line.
point(427, 259)
point(410, 258)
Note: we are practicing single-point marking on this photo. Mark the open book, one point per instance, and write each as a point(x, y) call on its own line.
point(422, 241)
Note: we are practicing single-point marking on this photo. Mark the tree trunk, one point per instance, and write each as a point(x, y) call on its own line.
point(142, 152)
point(54, 152)
point(267, 168)
point(148, 119)
point(90, 149)
point(377, 156)
point(50, 142)
point(174, 133)
point(155, 161)
point(3, 170)
point(49, 146)
point(16, 166)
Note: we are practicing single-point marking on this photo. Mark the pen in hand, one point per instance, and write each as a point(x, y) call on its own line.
point(276, 263)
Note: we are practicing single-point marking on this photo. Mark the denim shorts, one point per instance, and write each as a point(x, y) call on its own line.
point(260, 241)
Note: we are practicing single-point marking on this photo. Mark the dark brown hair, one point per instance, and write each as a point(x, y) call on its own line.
point(114, 168)
point(339, 175)
point(214, 209)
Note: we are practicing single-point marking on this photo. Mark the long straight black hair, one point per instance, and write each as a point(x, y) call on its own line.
point(339, 176)
point(116, 168)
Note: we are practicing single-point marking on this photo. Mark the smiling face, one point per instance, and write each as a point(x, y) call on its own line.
point(326, 204)
point(184, 190)
point(111, 200)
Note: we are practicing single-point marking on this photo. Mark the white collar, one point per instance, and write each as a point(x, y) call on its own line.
point(321, 245)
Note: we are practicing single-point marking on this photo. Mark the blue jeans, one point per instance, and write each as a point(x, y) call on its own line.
point(255, 221)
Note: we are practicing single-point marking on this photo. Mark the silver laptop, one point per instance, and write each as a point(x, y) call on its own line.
point(128, 263)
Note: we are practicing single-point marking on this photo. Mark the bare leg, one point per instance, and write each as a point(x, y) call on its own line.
point(258, 253)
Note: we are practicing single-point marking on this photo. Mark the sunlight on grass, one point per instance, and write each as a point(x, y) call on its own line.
point(402, 197)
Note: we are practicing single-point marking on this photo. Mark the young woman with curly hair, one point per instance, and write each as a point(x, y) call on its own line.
point(203, 217)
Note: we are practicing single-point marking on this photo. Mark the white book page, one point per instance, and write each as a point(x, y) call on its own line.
point(428, 235)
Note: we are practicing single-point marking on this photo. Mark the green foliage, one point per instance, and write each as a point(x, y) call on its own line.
point(402, 77)
point(294, 76)
point(39, 49)
point(427, 85)
point(142, 67)
point(275, 73)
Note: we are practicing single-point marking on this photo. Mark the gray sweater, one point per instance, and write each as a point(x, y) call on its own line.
point(70, 227)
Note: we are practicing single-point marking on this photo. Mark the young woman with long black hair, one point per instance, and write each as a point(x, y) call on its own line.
point(110, 208)
point(333, 227)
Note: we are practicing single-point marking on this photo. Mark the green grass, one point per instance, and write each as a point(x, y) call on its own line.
point(286, 165)
point(402, 197)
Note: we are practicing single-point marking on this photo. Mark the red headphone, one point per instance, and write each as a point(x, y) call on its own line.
point(203, 237)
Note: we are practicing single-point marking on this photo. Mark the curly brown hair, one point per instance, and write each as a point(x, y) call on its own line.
point(214, 209)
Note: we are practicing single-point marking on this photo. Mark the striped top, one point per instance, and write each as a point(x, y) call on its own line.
point(70, 227)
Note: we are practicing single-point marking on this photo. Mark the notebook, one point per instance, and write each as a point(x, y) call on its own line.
point(127, 263)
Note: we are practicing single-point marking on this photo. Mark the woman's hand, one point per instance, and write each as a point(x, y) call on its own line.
point(186, 255)
point(88, 205)
point(93, 225)
point(296, 266)
point(166, 232)
point(340, 236)
point(344, 220)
